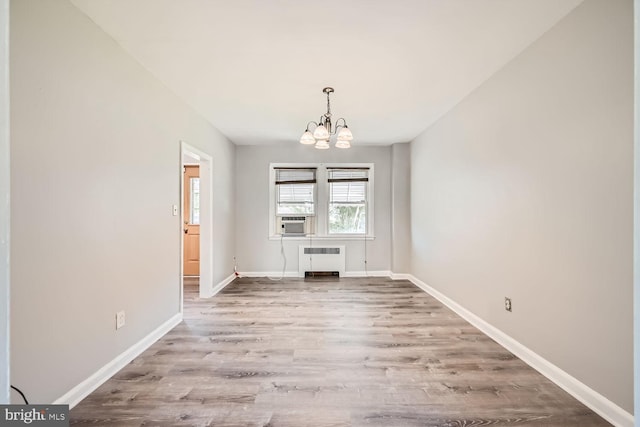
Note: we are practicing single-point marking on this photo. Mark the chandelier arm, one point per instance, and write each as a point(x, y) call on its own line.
point(338, 126)
point(311, 122)
point(343, 121)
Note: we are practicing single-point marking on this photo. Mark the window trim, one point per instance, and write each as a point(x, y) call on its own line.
point(321, 202)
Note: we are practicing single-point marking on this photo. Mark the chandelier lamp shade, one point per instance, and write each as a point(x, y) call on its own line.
point(325, 129)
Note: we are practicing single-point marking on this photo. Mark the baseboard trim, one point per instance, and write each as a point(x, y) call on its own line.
point(399, 276)
point(86, 387)
point(585, 394)
point(220, 286)
point(275, 274)
point(382, 273)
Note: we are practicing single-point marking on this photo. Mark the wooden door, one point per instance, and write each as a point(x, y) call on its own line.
point(191, 221)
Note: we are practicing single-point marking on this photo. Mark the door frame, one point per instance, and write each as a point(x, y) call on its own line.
point(206, 220)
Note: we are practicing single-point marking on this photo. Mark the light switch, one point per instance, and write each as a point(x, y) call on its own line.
point(120, 319)
point(175, 210)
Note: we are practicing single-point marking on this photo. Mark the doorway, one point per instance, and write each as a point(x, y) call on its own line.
point(191, 208)
point(196, 222)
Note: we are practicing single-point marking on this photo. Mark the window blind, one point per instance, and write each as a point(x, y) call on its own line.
point(295, 190)
point(348, 186)
point(295, 176)
point(348, 174)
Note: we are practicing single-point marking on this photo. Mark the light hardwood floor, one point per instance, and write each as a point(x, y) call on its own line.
point(348, 352)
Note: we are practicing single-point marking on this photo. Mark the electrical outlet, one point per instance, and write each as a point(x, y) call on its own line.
point(120, 319)
point(507, 304)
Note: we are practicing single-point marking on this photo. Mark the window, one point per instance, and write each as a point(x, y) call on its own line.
point(295, 191)
point(348, 200)
point(194, 201)
point(321, 201)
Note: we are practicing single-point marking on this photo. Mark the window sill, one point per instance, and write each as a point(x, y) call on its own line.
point(318, 238)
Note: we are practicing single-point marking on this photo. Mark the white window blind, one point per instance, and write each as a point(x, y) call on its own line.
point(348, 200)
point(295, 191)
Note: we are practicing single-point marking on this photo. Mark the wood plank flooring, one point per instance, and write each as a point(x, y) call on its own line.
point(347, 352)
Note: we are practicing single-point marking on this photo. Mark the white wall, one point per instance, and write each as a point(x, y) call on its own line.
point(256, 253)
point(95, 169)
point(525, 190)
point(4, 201)
point(400, 208)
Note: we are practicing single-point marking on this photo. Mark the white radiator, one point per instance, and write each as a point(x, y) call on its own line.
point(321, 259)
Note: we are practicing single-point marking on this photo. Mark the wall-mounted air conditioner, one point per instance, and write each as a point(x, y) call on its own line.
point(292, 225)
point(295, 226)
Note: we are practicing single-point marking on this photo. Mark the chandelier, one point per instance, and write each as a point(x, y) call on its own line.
point(324, 130)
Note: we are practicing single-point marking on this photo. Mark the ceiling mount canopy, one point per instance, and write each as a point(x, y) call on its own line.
point(324, 129)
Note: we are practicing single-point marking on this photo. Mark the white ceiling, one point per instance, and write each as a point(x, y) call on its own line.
point(256, 68)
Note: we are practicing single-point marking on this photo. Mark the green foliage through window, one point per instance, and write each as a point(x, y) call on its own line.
point(347, 219)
